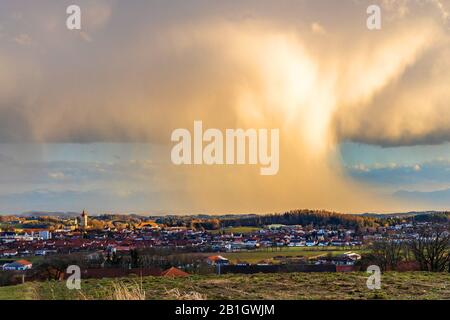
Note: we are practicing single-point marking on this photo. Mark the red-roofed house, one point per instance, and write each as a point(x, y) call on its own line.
point(174, 272)
point(19, 265)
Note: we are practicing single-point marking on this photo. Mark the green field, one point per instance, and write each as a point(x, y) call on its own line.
point(235, 230)
point(291, 286)
point(268, 255)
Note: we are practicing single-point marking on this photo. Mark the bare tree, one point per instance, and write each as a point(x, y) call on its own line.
point(388, 253)
point(431, 249)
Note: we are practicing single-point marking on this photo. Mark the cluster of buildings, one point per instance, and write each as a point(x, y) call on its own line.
point(38, 243)
point(82, 238)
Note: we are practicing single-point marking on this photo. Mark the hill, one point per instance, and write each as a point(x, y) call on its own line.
point(290, 286)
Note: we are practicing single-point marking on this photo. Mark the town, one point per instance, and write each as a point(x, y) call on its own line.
point(117, 245)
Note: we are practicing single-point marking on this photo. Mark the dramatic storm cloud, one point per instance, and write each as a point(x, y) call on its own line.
point(136, 71)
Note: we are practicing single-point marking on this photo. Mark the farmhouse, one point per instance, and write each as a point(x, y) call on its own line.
point(216, 260)
point(19, 265)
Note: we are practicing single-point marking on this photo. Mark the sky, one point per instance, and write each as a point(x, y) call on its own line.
point(86, 115)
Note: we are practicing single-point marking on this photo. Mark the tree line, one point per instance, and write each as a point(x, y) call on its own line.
point(428, 251)
point(302, 217)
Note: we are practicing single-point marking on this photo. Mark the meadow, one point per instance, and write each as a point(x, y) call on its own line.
point(289, 286)
point(270, 255)
point(235, 230)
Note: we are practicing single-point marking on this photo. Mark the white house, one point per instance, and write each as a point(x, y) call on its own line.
point(45, 235)
point(217, 260)
point(9, 253)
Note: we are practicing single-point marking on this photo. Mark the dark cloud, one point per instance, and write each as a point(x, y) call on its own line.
point(152, 64)
point(143, 68)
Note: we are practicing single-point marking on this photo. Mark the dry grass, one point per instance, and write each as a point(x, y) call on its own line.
point(126, 291)
point(176, 294)
point(291, 286)
point(34, 291)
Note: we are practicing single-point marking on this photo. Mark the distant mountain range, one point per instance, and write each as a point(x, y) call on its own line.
point(224, 216)
point(398, 214)
point(438, 197)
point(49, 214)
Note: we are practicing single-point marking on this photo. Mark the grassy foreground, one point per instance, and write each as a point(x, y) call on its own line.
point(408, 285)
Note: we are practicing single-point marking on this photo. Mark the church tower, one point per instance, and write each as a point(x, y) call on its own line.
point(84, 219)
